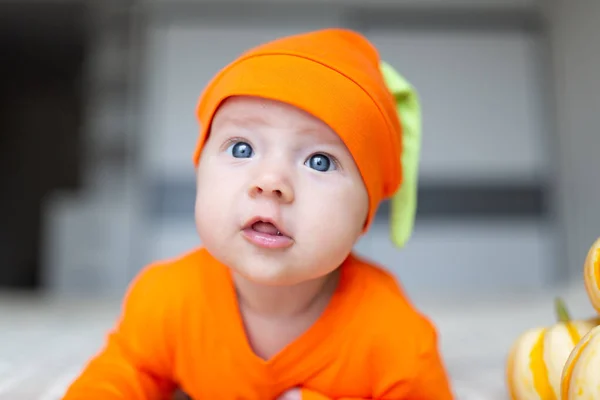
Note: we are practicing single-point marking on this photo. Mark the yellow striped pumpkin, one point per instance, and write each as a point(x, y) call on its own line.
point(581, 374)
point(536, 359)
point(591, 274)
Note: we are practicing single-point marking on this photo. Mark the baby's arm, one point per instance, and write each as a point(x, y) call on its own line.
point(407, 363)
point(430, 380)
point(136, 361)
point(398, 375)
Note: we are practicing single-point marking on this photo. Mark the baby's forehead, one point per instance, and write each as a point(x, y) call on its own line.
point(248, 112)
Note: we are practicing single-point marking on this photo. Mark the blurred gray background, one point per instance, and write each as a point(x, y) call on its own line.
point(98, 129)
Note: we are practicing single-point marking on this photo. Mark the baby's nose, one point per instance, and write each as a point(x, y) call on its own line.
point(273, 185)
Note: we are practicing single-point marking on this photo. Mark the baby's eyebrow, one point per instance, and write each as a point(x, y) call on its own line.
point(321, 135)
point(255, 120)
point(244, 121)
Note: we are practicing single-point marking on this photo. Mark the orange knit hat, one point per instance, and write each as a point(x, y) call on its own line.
point(335, 75)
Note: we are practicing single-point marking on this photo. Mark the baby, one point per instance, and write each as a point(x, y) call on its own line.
point(301, 138)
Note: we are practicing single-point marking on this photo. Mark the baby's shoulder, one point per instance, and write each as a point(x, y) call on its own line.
point(402, 346)
point(182, 267)
point(172, 277)
point(388, 316)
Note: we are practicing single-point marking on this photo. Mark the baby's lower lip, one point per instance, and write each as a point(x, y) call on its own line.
point(266, 240)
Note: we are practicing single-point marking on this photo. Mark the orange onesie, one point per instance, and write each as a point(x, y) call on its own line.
point(181, 327)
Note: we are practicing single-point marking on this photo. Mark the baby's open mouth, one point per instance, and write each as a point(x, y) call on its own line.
point(263, 232)
point(266, 227)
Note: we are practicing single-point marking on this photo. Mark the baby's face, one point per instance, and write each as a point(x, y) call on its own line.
point(279, 199)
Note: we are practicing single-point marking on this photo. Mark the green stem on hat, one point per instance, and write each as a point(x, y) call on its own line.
point(562, 313)
point(408, 108)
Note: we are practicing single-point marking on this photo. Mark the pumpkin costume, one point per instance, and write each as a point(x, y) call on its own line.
point(181, 326)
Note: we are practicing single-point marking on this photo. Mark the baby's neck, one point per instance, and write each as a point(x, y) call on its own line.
point(285, 301)
point(275, 316)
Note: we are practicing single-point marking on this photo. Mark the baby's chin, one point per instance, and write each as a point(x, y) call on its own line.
point(269, 268)
point(270, 275)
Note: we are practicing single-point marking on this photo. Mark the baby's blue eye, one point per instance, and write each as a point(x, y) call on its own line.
point(320, 162)
point(241, 150)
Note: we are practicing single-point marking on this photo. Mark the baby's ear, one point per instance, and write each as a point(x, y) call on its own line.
point(408, 107)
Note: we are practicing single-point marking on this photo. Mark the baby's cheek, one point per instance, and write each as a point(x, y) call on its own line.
point(331, 228)
point(208, 209)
